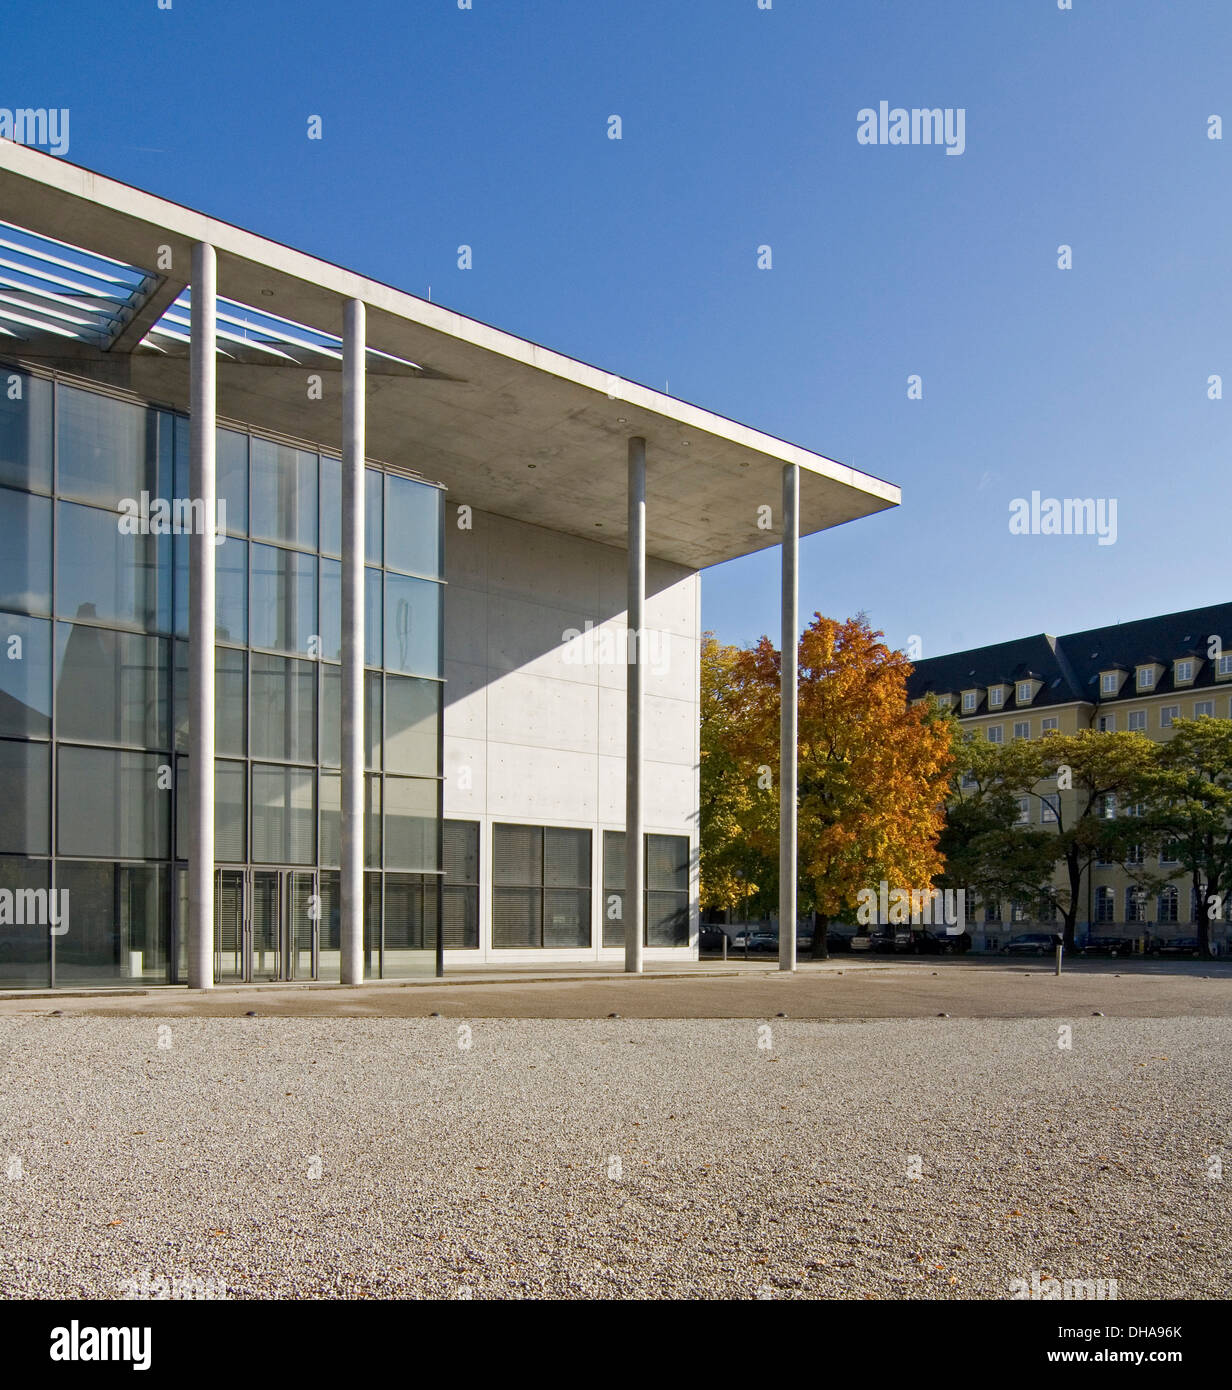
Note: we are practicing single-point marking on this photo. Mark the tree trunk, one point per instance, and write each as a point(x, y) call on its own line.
point(820, 950)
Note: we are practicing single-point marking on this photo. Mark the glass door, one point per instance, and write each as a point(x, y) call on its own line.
point(303, 925)
point(230, 926)
point(266, 951)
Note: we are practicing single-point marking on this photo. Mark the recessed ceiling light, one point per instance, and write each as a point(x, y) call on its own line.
point(269, 294)
point(622, 419)
point(532, 465)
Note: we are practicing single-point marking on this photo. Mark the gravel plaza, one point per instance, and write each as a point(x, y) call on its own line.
point(378, 1156)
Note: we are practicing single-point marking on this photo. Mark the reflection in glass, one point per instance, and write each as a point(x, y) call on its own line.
point(108, 449)
point(25, 433)
point(412, 714)
point(412, 625)
point(25, 677)
point(374, 514)
point(284, 708)
point(111, 687)
point(109, 804)
point(284, 599)
point(118, 923)
point(413, 529)
point(410, 924)
point(331, 506)
point(284, 494)
point(25, 552)
point(410, 823)
point(231, 477)
point(25, 805)
point(25, 946)
point(283, 815)
point(108, 576)
point(331, 717)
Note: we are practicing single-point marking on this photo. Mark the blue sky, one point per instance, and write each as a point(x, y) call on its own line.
point(488, 127)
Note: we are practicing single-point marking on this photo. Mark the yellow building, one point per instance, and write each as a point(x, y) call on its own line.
point(1133, 676)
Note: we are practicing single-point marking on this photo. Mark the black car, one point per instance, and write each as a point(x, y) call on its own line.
point(712, 938)
point(941, 943)
point(1036, 943)
point(1106, 946)
point(1176, 946)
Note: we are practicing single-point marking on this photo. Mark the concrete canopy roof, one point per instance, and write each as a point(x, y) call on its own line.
point(506, 425)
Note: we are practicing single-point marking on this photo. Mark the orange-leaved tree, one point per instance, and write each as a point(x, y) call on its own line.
point(872, 770)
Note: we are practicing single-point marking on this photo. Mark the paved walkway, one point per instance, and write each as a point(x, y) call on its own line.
point(837, 989)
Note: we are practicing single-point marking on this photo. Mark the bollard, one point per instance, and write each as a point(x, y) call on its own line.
point(1060, 950)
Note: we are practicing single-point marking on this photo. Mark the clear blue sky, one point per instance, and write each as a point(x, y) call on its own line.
point(488, 127)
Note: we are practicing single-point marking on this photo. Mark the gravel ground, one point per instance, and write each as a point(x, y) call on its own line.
point(777, 1171)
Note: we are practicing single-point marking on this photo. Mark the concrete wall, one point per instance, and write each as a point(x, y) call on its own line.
point(535, 722)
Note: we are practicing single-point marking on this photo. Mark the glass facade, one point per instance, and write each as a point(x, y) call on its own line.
point(94, 698)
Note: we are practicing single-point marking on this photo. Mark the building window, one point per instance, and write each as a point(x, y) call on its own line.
point(1049, 725)
point(666, 901)
point(1048, 811)
point(461, 903)
point(1135, 904)
point(996, 734)
point(1167, 904)
point(968, 700)
point(968, 779)
point(1107, 806)
point(1146, 678)
point(1204, 709)
point(1024, 692)
point(1108, 683)
point(1024, 811)
point(1168, 855)
point(992, 912)
point(1225, 665)
point(996, 697)
point(541, 878)
point(1105, 905)
point(1137, 721)
point(1022, 728)
point(1167, 714)
point(1134, 854)
point(1107, 723)
point(1046, 911)
point(1184, 670)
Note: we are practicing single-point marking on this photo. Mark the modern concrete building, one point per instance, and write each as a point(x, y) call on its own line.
point(1133, 676)
point(374, 566)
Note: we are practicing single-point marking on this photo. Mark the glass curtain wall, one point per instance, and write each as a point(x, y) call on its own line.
point(94, 691)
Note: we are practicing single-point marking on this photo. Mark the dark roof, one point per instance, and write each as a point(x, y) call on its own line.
point(1070, 666)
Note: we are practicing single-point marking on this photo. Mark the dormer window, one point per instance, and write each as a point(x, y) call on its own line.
point(1146, 678)
point(1025, 694)
point(1184, 671)
point(996, 696)
point(1225, 666)
point(969, 699)
point(1108, 683)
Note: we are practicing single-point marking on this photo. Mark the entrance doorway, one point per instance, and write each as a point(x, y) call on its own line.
point(266, 925)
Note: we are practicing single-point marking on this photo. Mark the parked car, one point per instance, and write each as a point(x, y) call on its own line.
point(711, 938)
point(1033, 943)
point(838, 941)
point(891, 939)
point(1176, 946)
point(764, 942)
point(1106, 946)
point(860, 943)
point(941, 943)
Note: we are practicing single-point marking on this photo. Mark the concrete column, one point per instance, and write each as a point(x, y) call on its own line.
point(201, 619)
point(353, 448)
point(634, 693)
point(788, 687)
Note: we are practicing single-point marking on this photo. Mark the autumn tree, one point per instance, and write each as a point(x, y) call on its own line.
point(872, 769)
